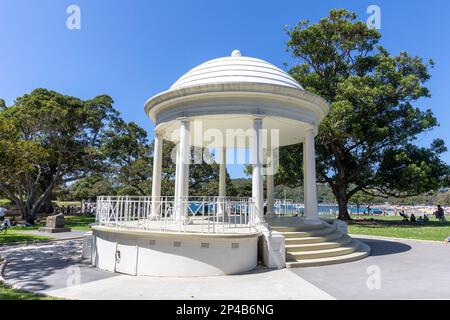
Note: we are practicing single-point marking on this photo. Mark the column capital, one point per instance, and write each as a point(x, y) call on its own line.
point(159, 133)
point(256, 117)
point(312, 129)
point(184, 120)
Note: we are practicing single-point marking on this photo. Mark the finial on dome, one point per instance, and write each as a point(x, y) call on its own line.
point(236, 53)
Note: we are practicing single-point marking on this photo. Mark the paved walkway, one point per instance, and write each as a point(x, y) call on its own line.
point(400, 269)
point(396, 269)
point(55, 269)
point(57, 236)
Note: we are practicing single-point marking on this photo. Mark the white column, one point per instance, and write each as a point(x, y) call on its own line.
point(183, 171)
point(257, 177)
point(222, 181)
point(269, 176)
point(156, 180)
point(177, 171)
point(305, 177)
point(270, 189)
point(310, 184)
point(223, 173)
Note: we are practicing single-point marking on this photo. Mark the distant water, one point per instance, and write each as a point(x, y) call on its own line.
point(211, 207)
point(354, 209)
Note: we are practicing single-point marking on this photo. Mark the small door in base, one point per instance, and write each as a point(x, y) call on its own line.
point(126, 254)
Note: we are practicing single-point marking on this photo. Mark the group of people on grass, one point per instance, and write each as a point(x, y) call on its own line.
point(413, 218)
point(439, 214)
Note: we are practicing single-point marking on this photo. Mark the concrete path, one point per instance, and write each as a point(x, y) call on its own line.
point(396, 269)
point(57, 236)
point(55, 269)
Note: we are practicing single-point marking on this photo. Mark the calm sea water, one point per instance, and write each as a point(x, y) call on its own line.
point(197, 207)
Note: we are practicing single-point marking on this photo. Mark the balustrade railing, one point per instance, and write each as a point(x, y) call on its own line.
point(166, 214)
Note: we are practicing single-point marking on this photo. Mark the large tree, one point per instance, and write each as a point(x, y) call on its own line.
point(366, 143)
point(128, 151)
point(48, 139)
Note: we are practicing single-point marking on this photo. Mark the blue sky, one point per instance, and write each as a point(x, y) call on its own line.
point(134, 49)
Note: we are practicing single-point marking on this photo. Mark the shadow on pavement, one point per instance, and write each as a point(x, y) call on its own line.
point(49, 266)
point(385, 247)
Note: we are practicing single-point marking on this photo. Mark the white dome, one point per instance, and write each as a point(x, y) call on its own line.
point(235, 68)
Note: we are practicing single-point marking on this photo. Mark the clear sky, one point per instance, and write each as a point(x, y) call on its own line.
point(134, 49)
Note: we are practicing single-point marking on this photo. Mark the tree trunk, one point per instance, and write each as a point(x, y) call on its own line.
point(343, 209)
point(340, 192)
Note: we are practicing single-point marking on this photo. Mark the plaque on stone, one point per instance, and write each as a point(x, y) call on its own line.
point(55, 224)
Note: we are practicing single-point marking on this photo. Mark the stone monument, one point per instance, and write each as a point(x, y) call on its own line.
point(55, 224)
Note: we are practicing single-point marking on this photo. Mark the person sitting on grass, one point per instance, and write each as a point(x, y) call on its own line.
point(405, 216)
point(5, 225)
point(413, 218)
point(425, 218)
point(2, 213)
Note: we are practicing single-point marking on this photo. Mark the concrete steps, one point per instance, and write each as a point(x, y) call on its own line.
point(319, 245)
point(341, 240)
point(357, 255)
point(309, 240)
point(310, 233)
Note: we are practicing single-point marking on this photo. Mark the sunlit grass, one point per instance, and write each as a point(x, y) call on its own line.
point(392, 226)
point(15, 234)
point(7, 293)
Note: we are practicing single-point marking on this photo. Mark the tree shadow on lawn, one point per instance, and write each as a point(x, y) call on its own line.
point(374, 223)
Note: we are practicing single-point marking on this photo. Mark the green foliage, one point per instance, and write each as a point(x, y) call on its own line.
point(366, 143)
point(203, 178)
point(48, 139)
point(128, 191)
point(240, 188)
point(89, 188)
point(7, 293)
point(128, 152)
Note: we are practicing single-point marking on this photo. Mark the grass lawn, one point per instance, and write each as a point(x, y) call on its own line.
point(14, 234)
point(392, 226)
point(79, 222)
point(7, 293)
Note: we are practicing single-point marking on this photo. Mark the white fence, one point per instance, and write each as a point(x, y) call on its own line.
point(193, 214)
point(287, 207)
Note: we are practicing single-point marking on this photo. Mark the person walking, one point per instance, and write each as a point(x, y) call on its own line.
point(440, 214)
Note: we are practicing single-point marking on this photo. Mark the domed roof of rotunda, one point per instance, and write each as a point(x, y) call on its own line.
point(237, 69)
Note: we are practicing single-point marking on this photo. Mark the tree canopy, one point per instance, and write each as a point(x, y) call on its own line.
point(52, 143)
point(367, 141)
point(48, 139)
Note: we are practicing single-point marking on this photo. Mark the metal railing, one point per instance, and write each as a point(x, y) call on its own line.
point(167, 214)
point(287, 207)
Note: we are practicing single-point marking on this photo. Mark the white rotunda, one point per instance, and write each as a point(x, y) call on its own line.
point(229, 103)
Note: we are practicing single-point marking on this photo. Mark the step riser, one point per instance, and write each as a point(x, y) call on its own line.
point(319, 246)
point(319, 254)
point(318, 233)
point(342, 259)
point(328, 238)
point(299, 229)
